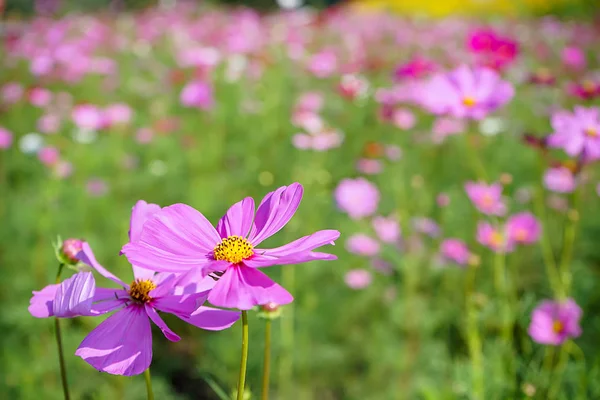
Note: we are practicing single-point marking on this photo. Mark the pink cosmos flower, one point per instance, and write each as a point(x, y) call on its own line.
point(417, 68)
point(426, 226)
point(560, 180)
point(466, 93)
point(11, 92)
point(144, 135)
point(523, 228)
point(587, 89)
point(118, 113)
point(486, 198)
point(179, 239)
point(96, 187)
point(387, 229)
point(578, 132)
point(323, 64)
point(455, 250)
point(495, 239)
point(63, 169)
point(573, 57)
point(311, 102)
point(6, 138)
point(369, 166)
point(39, 97)
point(122, 344)
point(88, 116)
point(357, 197)
point(404, 118)
point(48, 155)
point(48, 123)
point(363, 245)
point(553, 322)
point(358, 278)
point(197, 94)
point(353, 86)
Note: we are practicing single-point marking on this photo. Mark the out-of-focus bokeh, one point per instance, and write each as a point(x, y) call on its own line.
point(105, 103)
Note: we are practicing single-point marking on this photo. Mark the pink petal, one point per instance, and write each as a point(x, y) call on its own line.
point(180, 305)
point(276, 209)
point(87, 256)
point(243, 288)
point(238, 219)
point(169, 334)
point(139, 215)
point(121, 345)
point(74, 296)
point(212, 319)
point(40, 305)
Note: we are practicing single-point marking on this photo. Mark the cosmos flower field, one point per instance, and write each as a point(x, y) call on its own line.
point(401, 208)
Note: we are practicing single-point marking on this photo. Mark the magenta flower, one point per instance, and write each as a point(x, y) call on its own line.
point(310, 102)
point(197, 94)
point(494, 238)
point(362, 245)
point(417, 68)
point(466, 93)
point(358, 278)
point(486, 198)
point(48, 155)
point(560, 180)
point(88, 116)
point(6, 138)
point(178, 239)
point(323, 64)
point(573, 57)
point(357, 197)
point(554, 322)
point(578, 132)
point(455, 250)
point(523, 228)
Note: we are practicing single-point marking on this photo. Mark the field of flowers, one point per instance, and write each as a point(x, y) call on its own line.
point(452, 162)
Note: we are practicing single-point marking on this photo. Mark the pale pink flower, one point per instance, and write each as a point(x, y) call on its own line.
point(358, 278)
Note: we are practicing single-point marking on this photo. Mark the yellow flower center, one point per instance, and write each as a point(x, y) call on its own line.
point(487, 200)
point(588, 86)
point(496, 239)
point(521, 235)
point(558, 327)
point(233, 249)
point(139, 290)
point(591, 132)
point(468, 101)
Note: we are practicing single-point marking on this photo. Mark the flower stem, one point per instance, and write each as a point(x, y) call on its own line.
point(545, 244)
point(61, 356)
point(149, 393)
point(244, 360)
point(569, 241)
point(473, 338)
point(267, 361)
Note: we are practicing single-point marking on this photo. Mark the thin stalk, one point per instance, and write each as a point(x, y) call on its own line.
point(59, 346)
point(244, 359)
point(266, 361)
point(286, 361)
point(473, 338)
point(149, 392)
point(568, 243)
point(556, 382)
point(548, 256)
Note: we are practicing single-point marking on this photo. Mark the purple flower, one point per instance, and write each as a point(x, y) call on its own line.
point(362, 245)
point(486, 198)
point(523, 228)
point(554, 322)
point(197, 94)
point(178, 239)
point(577, 132)
point(357, 197)
point(455, 250)
point(466, 93)
point(560, 180)
point(122, 344)
point(495, 239)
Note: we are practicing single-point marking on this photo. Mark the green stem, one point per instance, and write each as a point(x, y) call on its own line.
point(568, 243)
point(267, 361)
point(244, 359)
point(473, 338)
point(59, 345)
point(556, 382)
point(149, 393)
point(547, 254)
point(286, 361)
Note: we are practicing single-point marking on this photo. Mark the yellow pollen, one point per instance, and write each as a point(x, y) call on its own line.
point(521, 235)
point(233, 249)
point(588, 86)
point(496, 239)
point(591, 132)
point(557, 327)
point(468, 101)
point(487, 200)
point(139, 290)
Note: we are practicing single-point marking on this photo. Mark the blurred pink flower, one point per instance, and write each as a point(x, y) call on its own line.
point(491, 49)
point(416, 68)
point(369, 166)
point(444, 126)
point(323, 64)
point(41, 65)
point(553, 322)
point(353, 86)
point(455, 250)
point(144, 135)
point(560, 180)
point(88, 116)
point(393, 152)
point(442, 200)
point(523, 228)
point(96, 187)
point(495, 239)
point(308, 120)
point(573, 57)
point(578, 132)
point(362, 245)
point(358, 278)
point(557, 203)
point(357, 197)
point(117, 114)
point(6, 138)
point(48, 123)
point(11, 92)
point(586, 89)
point(387, 229)
point(310, 102)
point(486, 198)
point(197, 94)
point(63, 169)
point(403, 118)
point(465, 93)
point(39, 97)
point(48, 155)
point(426, 226)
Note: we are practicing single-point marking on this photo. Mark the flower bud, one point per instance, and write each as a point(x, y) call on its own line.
point(271, 311)
point(66, 251)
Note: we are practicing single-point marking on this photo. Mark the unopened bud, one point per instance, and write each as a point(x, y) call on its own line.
point(506, 179)
point(270, 310)
point(68, 251)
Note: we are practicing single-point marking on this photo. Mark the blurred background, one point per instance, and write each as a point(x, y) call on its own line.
point(104, 103)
